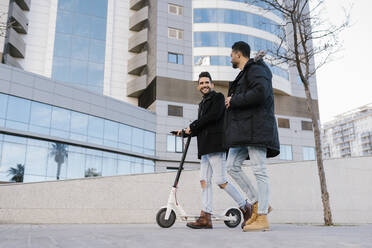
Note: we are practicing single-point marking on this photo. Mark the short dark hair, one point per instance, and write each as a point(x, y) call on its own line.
point(244, 48)
point(205, 74)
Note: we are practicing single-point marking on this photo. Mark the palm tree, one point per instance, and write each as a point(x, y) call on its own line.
point(60, 153)
point(92, 172)
point(17, 173)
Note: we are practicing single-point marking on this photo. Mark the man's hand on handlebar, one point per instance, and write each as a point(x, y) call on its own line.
point(187, 131)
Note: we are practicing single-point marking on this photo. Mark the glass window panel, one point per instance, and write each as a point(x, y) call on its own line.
point(172, 58)
point(84, 7)
point(41, 114)
point(61, 69)
point(179, 144)
point(198, 15)
point(111, 130)
point(67, 5)
point(62, 45)
point(124, 165)
point(61, 119)
point(81, 25)
point(18, 109)
point(57, 160)
point(137, 165)
point(125, 134)
point(97, 51)
point(149, 166)
point(180, 59)
point(96, 74)
point(79, 71)
point(15, 139)
point(99, 8)
point(171, 143)
point(286, 152)
point(95, 127)
point(64, 22)
point(13, 154)
point(308, 153)
point(137, 137)
point(3, 105)
point(98, 28)
point(80, 48)
point(79, 123)
point(36, 161)
point(110, 166)
point(76, 165)
point(31, 178)
point(149, 140)
point(93, 166)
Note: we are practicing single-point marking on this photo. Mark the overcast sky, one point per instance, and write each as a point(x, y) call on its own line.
point(346, 83)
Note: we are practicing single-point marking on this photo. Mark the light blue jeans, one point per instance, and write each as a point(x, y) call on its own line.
point(257, 156)
point(216, 163)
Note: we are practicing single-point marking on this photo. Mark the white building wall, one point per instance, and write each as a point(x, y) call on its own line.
point(117, 55)
point(4, 6)
point(40, 38)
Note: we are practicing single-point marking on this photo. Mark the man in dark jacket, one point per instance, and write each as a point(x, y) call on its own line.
point(251, 131)
point(209, 131)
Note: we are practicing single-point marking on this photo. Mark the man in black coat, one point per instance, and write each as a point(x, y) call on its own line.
point(209, 131)
point(251, 130)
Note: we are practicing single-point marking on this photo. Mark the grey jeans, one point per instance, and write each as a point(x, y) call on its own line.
point(257, 155)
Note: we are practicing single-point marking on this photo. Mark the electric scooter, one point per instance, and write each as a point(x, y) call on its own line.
point(167, 215)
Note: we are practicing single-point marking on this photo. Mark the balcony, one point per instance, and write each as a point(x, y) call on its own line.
point(24, 4)
point(136, 86)
point(365, 134)
point(345, 145)
point(139, 20)
point(137, 64)
point(18, 18)
point(138, 41)
point(9, 60)
point(17, 47)
point(137, 4)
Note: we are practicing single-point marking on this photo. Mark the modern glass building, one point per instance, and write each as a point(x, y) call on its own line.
point(92, 88)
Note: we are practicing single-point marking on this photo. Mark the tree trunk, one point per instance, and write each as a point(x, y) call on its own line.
point(323, 183)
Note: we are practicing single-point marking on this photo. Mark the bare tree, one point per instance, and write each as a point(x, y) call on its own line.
point(304, 35)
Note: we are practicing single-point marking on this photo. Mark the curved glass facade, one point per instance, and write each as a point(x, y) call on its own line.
point(230, 16)
point(259, 4)
point(40, 161)
point(226, 61)
point(80, 42)
point(226, 39)
point(25, 115)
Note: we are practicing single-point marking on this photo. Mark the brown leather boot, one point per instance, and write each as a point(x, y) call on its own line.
point(203, 222)
point(255, 214)
point(247, 213)
point(260, 224)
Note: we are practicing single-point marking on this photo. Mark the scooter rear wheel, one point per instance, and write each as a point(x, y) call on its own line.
point(162, 222)
point(233, 212)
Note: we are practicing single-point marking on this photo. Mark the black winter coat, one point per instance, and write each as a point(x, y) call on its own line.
point(209, 126)
point(250, 119)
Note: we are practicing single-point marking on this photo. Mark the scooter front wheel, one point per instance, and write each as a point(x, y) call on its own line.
point(162, 222)
point(235, 213)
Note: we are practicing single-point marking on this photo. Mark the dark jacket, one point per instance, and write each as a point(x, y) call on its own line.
point(209, 126)
point(250, 119)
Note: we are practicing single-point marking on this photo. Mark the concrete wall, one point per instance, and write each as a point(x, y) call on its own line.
point(295, 196)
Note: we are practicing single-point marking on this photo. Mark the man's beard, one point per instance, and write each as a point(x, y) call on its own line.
point(234, 65)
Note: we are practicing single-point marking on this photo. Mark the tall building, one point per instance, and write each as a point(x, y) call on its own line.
point(349, 134)
point(107, 80)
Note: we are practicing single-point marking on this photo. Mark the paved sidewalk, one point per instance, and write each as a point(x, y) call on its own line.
point(150, 235)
